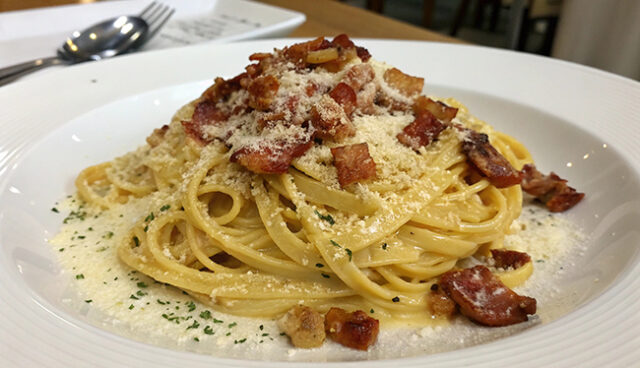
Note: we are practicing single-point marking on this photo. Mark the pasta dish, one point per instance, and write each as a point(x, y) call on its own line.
point(324, 178)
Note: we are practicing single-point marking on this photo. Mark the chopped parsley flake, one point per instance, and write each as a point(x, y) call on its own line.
point(319, 265)
point(75, 215)
point(165, 207)
point(88, 300)
point(384, 246)
point(326, 218)
point(131, 307)
point(79, 276)
point(192, 306)
point(395, 299)
point(205, 315)
point(208, 330)
point(149, 218)
point(55, 210)
point(136, 241)
point(372, 311)
point(196, 339)
point(142, 285)
point(133, 297)
point(346, 249)
point(325, 275)
point(240, 341)
point(195, 324)
point(217, 321)
point(108, 235)
point(233, 324)
point(173, 318)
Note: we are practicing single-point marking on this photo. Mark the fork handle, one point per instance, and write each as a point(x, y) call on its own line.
point(13, 72)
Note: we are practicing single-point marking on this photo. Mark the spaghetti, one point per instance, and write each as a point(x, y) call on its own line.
point(251, 214)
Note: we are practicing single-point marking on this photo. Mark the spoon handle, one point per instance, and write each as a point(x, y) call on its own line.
point(13, 72)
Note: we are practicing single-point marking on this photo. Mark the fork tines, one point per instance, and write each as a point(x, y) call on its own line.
point(156, 15)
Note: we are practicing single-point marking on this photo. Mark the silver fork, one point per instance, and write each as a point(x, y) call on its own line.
point(152, 18)
point(156, 15)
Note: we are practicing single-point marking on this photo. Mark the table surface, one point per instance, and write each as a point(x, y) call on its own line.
point(324, 18)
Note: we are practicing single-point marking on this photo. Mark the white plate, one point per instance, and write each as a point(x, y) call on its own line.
point(577, 121)
point(195, 21)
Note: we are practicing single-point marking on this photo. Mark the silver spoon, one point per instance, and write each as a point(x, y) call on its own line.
point(103, 40)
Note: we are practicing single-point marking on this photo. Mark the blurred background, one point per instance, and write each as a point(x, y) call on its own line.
point(604, 34)
point(601, 33)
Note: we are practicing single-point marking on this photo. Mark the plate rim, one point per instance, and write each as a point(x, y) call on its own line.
point(19, 90)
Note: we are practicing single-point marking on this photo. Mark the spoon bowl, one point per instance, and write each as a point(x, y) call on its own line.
point(103, 40)
point(106, 39)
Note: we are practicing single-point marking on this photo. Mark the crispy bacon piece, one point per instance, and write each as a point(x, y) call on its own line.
point(353, 163)
point(262, 90)
point(297, 53)
point(342, 40)
point(422, 131)
point(270, 157)
point(404, 83)
point(358, 75)
point(346, 52)
point(483, 298)
point(304, 326)
point(253, 70)
point(157, 136)
point(258, 56)
point(489, 161)
point(330, 121)
point(221, 89)
point(551, 189)
point(367, 99)
point(363, 54)
point(310, 53)
point(440, 304)
point(205, 113)
point(355, 330)
point(505, 258)
point(438, 109)
point(345, 97)
point(390, 103)
point(310, 89)
point(270, 119)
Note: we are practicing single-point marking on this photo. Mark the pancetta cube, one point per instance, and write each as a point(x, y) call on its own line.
point(355, 330)
point(304, 326)
point(353, 163)
point(404, 83)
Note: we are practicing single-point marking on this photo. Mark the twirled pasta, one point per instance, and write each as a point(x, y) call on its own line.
point(257, 244)
point(260, 254)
